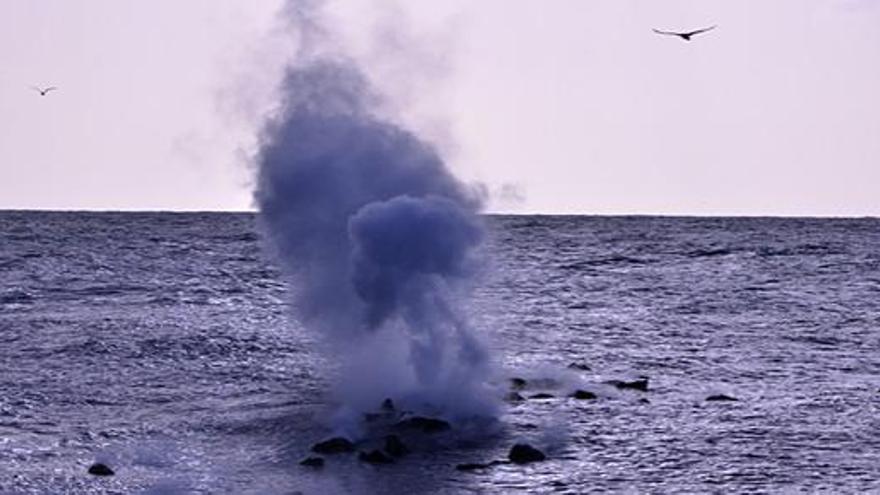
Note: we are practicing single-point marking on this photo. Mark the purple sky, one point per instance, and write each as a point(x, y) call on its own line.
point(557, 107)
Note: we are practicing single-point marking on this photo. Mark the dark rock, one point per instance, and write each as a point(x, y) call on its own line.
point(641, 384)
point(375, 457)
point(522, 453)
point(388, 405)
point(720, 397)
point(583, 395)
point(517, 383)
point(579, 366)
point(394, 447)
point(315, 462)
point(542, 395)
point(99, 469)
point(425, 425)
point(335, 445)
point(514, 397)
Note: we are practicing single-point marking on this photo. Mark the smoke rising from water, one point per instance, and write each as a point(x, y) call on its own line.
point(376, 237)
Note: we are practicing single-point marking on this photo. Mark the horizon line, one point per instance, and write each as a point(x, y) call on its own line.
point(486, 213)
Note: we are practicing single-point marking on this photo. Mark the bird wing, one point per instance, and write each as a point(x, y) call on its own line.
point(38, 90)
point(50, 88)
point(666, 32)
point(698, 31)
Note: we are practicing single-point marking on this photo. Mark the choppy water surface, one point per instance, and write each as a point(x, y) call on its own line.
point(160, 344)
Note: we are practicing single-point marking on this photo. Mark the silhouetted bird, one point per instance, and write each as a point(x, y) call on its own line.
point(43, 92)
point(685, 36)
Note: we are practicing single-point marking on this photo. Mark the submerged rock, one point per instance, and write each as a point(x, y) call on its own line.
point(514, 397)
point(517, 383)
point(721, 397)
point(375, 457)
point(99, 469)
point(315, 462)
point(424, 424)
point(523, 453)
point(579, 366)
point(583, 395)
point(395, 447)
point(641, 384)
point(388, 405)
point(335, 445)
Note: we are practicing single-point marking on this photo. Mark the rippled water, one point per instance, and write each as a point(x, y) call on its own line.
point(159, 344)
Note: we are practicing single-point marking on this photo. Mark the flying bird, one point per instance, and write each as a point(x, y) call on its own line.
point(685, 36)
point(43, 92)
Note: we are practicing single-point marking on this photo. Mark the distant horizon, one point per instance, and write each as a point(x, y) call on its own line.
point(484, 213)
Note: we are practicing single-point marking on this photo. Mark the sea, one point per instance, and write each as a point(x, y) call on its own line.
point(163, 346)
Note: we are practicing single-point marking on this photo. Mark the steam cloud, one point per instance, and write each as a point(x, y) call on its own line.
point(376, 236)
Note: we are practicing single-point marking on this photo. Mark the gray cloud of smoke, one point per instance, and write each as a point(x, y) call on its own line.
point(377, 237)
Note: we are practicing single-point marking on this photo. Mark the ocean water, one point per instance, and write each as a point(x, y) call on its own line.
point(160, 344)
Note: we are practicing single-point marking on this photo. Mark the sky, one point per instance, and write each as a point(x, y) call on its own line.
point(561, 106)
